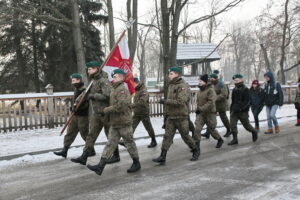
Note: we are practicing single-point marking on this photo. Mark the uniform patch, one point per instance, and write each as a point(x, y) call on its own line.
point(182, 88)
point(122, 92)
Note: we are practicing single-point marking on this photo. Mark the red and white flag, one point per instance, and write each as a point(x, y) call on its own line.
point(120, 58)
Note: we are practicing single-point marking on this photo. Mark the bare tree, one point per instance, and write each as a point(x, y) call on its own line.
point(132, 12)
point(110, 23)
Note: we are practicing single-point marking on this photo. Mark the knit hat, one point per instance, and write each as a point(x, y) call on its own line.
point(175, 69)
point(255, 82)
point(237, 76)
point(76, 75)
point(204, 78)
point(213, 75)
point(136, 79)
point(92, 64)
point(118, 71)
point(216, 72)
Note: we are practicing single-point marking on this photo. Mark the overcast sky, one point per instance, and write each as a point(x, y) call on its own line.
point(245, 11)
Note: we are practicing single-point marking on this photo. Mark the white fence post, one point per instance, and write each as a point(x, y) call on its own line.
point(49, 89)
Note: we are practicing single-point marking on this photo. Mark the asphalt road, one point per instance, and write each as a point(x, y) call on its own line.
point(267, 169)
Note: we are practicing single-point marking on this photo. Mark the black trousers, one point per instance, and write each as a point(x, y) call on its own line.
point(256, 112)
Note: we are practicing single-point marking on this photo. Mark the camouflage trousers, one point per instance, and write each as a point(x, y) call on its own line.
point(210, 119)
point(224, 119)
point(244, 118)
point(146, 122)
point(78, 124)
point(114, 136)
point(96, 124)
point(183, 127)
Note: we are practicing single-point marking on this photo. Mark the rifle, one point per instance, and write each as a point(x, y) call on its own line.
point(84, 93)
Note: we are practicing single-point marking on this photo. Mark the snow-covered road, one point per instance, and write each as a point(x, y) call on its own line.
point(23, 142)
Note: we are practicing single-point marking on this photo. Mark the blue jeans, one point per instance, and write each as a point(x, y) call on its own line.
point(271, 115)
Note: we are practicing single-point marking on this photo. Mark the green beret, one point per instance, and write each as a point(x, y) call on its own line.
point(213, 75)
point(175, 69)
point(118, 71)
point(76, 75)
point(237, 76)
point(92, 64)
point(136, 79)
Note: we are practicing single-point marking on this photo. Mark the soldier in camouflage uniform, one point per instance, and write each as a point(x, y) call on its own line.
point(80, 121)
point(141, 110)
point(177, 110)
point(222, 92)
point(120, 113)
point(239, 109)
point(206, 111)
point(99, 99)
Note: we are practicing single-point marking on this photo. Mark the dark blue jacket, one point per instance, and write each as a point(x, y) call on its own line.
point(257, 98)
point(273, 91)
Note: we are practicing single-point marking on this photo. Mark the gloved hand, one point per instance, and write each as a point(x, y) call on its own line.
point(91, 97)
point(198, 112)
point(161, 101)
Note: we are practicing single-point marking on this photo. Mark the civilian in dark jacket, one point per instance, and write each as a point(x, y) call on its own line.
point(239, 109)
point(273, 99)
point(257, 98)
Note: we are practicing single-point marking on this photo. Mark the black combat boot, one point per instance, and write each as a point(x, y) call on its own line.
point(206, 135)
point(228, 133)
point(63, 152)
point(81, 159)
point(196, 152)
point(136, 165)
point(91, 153)
point(234, 140)
point(162, 158)
point(220, 143)
point(254, 135)
point(98, 169)
point(153, 143)
point(115, 157)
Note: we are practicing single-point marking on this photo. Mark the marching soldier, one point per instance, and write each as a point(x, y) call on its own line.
point(141, 110)
point(80, 121)
point(239, 109)
point(99, 99)
point(176, 105)
point(206, 111)
point(121, 124)
point(222, 92)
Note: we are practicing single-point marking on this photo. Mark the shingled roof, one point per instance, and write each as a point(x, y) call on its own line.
point(197, 51)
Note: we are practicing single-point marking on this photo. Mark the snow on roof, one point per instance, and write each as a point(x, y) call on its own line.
point(197, 51)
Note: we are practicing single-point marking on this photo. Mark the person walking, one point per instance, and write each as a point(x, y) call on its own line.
point(273, 100)
point(257, 98)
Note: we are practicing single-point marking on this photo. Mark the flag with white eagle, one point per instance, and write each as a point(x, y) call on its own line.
point(120, 58)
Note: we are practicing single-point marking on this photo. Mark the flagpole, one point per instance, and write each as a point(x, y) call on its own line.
point(113, 48)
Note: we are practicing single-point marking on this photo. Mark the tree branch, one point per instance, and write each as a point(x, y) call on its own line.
point(206, 17)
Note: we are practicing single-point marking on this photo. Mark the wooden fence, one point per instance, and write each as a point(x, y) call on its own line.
point(49, 110)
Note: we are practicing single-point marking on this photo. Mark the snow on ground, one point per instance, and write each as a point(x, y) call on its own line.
point(43, 139)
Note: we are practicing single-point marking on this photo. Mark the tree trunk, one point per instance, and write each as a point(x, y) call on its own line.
point(266, 58)
point(165, 42)
point(132, 31)
point(77, 38)
point(35, 65)
point(283, 42)
point(111, 24)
